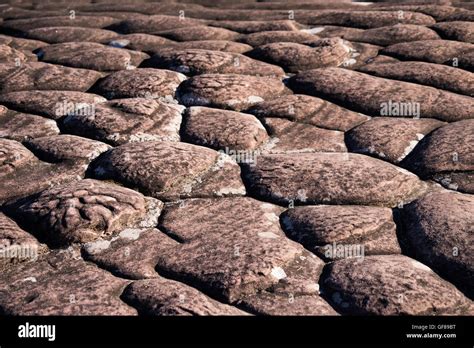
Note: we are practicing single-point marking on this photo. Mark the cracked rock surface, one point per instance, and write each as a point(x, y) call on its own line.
point(236, 158)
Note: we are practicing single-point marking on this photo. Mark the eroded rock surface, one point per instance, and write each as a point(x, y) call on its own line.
point(91, 55)
point(62, 284)
point(218, 257)
point(128, 120)
point(336, 178)
point(184, 170)
point(446, 151)
point(390, 138)
point(229, 91)
point(381, 96)
point(223, 158)
point(391, 285)
point(324, 228)
point(310, 110)
point(19, 126)
point(84, 211)
point(439, 233)
point(197, 61)
point(167, 297)
point(295, 57)
point(52, 104)
point(222, 129)
point(140, 83)
point(41, 76)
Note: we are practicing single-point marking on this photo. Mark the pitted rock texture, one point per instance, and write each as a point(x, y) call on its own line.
point(17, 245)
point(246, 27)
point(41, 76)
point(162, 296)
point(390, 138)
point(213, 128)
point(229, 91)
point(83, 211)
point(140, 42)
point(57, 148)
point(13, 56)
point(457, 30)
point(236, 157)
point(140, 83)
point(439, 232)
point(51, 104)
point(361, 54)
point(453, 53)
point(297, 137)
point(200, 32)
point(184, 170)
point(217, 257)
point(61, 284)
point(128, 120)
point(391, 285)
point(381, 96)
point(385, 36)
point(154, 23)
point(435, 75)
point(18, 126)
point(70, 34)
point(295, 57)
point(447, 150)
point(214, 45)
point(197, 61)
point(268, 303)
point(336, 178)
point(91, 55)
point(25, 24)
point(363, 19)
point(309, 110)
point(268, 37)
point(333, 31)
point(13, 156)
point(19, 166)
point(21, 43)
point(133, 253)
point(322, 228)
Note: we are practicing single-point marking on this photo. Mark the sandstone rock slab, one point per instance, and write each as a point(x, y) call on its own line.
point(42, 76)
point(162, 296)
point(84, 211)
point(91, 55)
point(198, 61)
point(128, 120)
point(229, 91)
point(447, 150)
point(222, 129)
point(55, 35)
point(389, 138)
point(168, 170)
point(294, 137)
point(454, 53)
point(382, 97)
point(140, 83)
point(336, 178)
point(323, 228)
point(232, 260)
point(438, 231)
point(294, 57)
point(309, 110)
point(52, 104)
point(435, 75)
point(18, 126)
point(391, 285)
point(61, 284)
